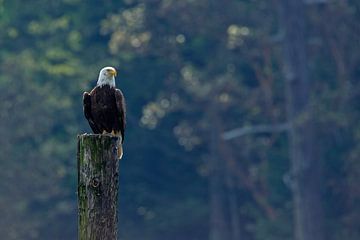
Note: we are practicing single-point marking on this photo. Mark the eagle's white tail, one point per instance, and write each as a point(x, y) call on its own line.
point(119, 151)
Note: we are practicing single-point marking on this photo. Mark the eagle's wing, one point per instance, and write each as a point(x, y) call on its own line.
point(87, 112)
point(120, 105)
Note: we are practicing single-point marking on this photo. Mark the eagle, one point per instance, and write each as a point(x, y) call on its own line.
point(104, 107)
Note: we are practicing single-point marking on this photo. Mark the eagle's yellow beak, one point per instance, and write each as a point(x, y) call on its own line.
point(113, 72)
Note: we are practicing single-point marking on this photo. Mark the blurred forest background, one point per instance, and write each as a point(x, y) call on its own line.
point(243, 116)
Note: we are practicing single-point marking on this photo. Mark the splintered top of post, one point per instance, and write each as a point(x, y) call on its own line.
point(97, 136)
point(101, 141)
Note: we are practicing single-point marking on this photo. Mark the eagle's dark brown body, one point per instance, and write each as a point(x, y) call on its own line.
point(104, 108)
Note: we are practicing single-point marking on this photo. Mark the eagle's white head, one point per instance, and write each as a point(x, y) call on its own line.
point(107, 77)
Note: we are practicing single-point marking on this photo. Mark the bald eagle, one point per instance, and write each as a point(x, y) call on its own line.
point(104, 107)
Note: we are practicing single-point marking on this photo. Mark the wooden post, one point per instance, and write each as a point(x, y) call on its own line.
point(98, 174)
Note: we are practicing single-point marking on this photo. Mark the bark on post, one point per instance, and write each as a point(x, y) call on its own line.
point(98, 174)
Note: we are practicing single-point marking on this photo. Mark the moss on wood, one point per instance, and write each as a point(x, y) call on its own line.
point(97, 186)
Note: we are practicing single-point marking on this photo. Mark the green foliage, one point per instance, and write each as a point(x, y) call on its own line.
point(177, 62)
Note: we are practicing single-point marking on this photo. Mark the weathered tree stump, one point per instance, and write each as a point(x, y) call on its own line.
point(98, 174)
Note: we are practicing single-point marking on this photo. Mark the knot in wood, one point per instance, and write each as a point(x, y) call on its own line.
point(95, 182)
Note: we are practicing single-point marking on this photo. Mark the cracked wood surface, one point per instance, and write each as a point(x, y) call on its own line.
point(98, 176)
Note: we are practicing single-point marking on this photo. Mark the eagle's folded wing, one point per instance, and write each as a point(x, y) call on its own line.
point(120, 105)
point(87, 112)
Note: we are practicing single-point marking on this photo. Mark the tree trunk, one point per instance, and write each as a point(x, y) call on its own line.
point(219, 229)
point(98, 176)
point(234, 208)
point(305, 165)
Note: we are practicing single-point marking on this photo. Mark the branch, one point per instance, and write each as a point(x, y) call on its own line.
point(238, 132)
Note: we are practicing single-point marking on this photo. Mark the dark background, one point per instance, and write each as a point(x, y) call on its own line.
point(190, 70)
